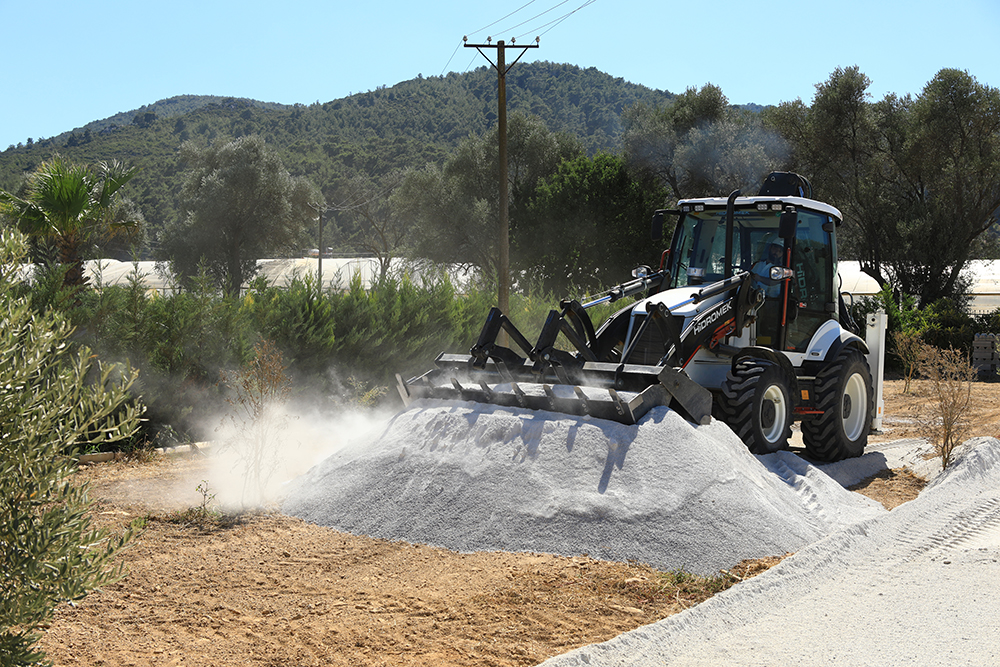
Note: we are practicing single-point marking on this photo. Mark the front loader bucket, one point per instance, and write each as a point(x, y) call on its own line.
point(619, 392)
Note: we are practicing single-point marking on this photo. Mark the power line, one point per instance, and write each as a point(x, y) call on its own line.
point(509, 15)
point(485, 27)
point(536, 16)
point(550, 25)
point(450, 59)
point(553, 23)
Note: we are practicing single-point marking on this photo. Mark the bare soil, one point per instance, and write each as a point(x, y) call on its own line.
point(268, 589)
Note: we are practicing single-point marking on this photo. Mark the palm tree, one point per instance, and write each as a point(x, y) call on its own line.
point(68, 204)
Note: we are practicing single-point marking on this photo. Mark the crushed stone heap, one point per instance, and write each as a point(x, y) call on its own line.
point(471, 477)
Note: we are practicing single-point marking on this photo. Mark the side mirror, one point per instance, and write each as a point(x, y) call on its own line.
point(641, 271)
point(786, 225)
point(656, 230)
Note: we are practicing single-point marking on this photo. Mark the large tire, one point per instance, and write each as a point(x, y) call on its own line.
point(843, 391)
point(756, 404)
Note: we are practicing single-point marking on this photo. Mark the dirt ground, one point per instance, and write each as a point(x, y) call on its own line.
point(269, 589)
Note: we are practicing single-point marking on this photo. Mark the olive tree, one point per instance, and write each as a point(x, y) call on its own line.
point(917, 178)
point(699, 145)
point(368, 220)
point(53, 400)
point(241, 205)
point(588, 225)
point(454, 208)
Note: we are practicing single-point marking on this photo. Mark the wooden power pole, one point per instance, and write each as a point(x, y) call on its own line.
point(503, 273)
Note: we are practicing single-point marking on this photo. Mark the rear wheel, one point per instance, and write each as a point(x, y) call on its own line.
point(843, 391)
point(755, 403)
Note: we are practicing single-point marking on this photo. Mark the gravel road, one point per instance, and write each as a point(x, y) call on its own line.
point(917, 586)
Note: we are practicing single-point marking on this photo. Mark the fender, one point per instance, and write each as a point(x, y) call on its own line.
point(847, 340)
point(830, 339)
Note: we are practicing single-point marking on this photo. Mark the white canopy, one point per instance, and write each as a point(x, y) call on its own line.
point(338, 271)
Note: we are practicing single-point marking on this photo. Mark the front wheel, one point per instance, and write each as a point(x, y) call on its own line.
point(843, 391)
point(756, 404)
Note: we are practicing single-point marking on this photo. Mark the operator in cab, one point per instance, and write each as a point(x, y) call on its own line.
point(762, 270)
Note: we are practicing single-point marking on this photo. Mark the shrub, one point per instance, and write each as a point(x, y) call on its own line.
point(260, 389)
point(48, 411)
point(910, 349)
point(298, 319)
point(947, 325)
point(950, 376)
point(943, 324)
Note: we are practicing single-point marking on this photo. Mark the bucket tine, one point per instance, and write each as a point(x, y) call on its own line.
point(519, 393)
point(583, 399)
point(619, 404)
point(551, 396)
point(691, 397)
point(404, 392)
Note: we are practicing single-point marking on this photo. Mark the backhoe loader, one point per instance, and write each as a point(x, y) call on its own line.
point(742, 321)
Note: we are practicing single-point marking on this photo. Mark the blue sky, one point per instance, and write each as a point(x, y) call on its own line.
point(67, 62)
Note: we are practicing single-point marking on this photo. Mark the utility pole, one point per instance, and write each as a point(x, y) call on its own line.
point(503, 273)
point(319, 273)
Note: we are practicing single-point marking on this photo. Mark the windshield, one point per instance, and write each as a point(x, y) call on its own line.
point(699, 257)
point(700, 244)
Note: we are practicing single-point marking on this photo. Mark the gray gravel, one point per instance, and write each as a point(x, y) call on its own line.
point(665, 492)
point(917, 586)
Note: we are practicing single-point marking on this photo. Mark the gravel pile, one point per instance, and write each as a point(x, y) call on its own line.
point(915, 586)
point(471, 477)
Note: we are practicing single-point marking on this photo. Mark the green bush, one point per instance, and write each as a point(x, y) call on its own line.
point(944, 324)
point(948, 326)
point(298, 319)
point(180, 341)
point(397, 326)
point(48, 412)
point(333, 341)
point(988, 322)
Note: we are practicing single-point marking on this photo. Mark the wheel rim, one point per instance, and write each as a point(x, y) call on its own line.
point(853, 410)
point(773, 413)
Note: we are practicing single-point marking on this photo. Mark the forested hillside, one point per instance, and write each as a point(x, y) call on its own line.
point(371, 133)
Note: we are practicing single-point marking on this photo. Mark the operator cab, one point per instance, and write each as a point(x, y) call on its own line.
point(698, 257)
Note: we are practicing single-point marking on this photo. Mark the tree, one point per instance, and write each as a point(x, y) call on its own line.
point(241, 205)
point(589, 224)
point(70, 205)
point(454, 208)
point(948, 157)
point(371, 222)
point(699, 145)
point(48, 551)
point(918, 179)
point(838, 145)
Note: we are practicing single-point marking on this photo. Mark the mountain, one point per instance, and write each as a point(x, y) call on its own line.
point(406, 125)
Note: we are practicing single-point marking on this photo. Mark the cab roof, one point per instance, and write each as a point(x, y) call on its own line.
point(769, 202)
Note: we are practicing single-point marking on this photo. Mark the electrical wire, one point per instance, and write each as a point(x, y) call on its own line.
point(553, 23)
point(509, 15)
point(485, 27)
point(450, 59)
point(513, 27)
point(547, 26)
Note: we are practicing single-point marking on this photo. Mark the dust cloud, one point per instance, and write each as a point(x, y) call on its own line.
point(252, 463)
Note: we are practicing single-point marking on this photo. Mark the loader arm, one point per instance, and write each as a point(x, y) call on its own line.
point(586, 379)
